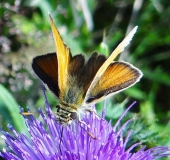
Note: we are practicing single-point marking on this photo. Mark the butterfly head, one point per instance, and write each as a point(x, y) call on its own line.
point(65, 114)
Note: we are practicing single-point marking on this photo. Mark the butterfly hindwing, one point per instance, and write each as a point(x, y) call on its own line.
point(90, 69)
point(76, 64)
point(46, 68)
point(117, 77)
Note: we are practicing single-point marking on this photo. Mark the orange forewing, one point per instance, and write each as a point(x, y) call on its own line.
point(63, 58)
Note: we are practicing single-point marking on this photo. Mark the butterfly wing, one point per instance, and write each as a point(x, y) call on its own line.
point(46, 68)
point(90, 69)
point(63, 59)
point(107, 63)
point(117, 77)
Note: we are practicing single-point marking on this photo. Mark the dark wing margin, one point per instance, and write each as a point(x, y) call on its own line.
point(46, 68)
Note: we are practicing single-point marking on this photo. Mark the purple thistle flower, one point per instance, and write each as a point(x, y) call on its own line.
point(52, 141)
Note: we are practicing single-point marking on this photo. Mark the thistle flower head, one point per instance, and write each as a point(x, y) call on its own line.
point(50, 140)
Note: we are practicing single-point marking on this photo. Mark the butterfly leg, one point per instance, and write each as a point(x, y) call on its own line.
point(93, 111)
point(82, 122)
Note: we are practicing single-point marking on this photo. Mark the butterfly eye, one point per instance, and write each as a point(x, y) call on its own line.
point(58, 108)
point(73, 115)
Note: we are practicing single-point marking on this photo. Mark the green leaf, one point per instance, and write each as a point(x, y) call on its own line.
point(7, 99)
point(158, 75)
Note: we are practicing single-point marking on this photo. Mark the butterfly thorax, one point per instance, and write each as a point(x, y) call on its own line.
point(71, 100)
point(73, 93)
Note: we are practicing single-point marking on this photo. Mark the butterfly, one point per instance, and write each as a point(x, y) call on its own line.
point(78, 83)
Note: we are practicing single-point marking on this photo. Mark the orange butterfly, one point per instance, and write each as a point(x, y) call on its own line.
point(78, 83)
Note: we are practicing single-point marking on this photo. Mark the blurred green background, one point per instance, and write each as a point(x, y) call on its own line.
point(88, 26)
